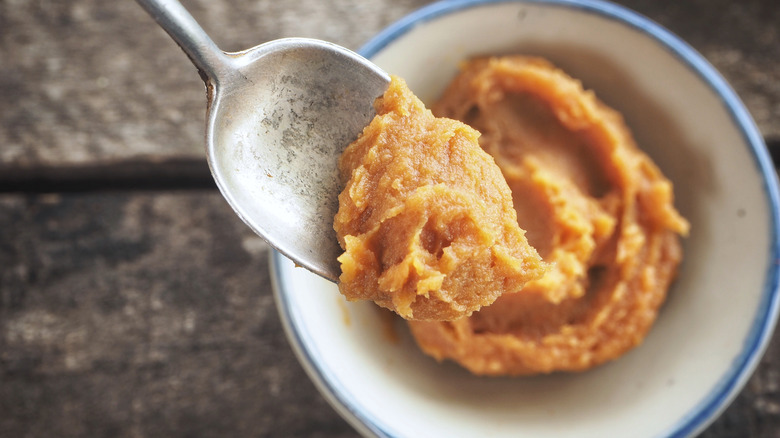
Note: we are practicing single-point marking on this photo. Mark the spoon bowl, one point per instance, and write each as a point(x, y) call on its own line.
point(279, 115)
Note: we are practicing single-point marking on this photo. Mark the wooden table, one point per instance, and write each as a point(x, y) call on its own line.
point(133, 302)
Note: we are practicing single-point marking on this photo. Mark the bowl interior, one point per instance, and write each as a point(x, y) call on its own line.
point(719, 313)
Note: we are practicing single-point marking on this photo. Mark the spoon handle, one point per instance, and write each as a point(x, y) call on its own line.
point(187, 33)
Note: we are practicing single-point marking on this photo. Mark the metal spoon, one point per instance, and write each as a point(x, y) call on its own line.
point(278, 117)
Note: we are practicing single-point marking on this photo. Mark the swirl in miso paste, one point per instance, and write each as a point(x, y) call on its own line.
point(597, 209)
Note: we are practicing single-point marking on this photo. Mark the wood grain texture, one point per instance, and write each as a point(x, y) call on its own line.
point(143, 315)
point(92, 81)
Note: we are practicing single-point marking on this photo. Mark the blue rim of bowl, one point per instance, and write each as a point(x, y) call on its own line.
point(761, 331)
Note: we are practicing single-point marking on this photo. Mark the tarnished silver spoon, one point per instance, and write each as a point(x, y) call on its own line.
point(278, 117)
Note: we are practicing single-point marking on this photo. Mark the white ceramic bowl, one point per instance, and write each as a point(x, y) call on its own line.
point(720, 313)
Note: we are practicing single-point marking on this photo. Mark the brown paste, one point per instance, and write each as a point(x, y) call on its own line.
point(596, 208)
point(426, 218)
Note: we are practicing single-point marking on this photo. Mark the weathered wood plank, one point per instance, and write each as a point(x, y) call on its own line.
point(150, 314)
point(92, 81)
point(143, 315)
